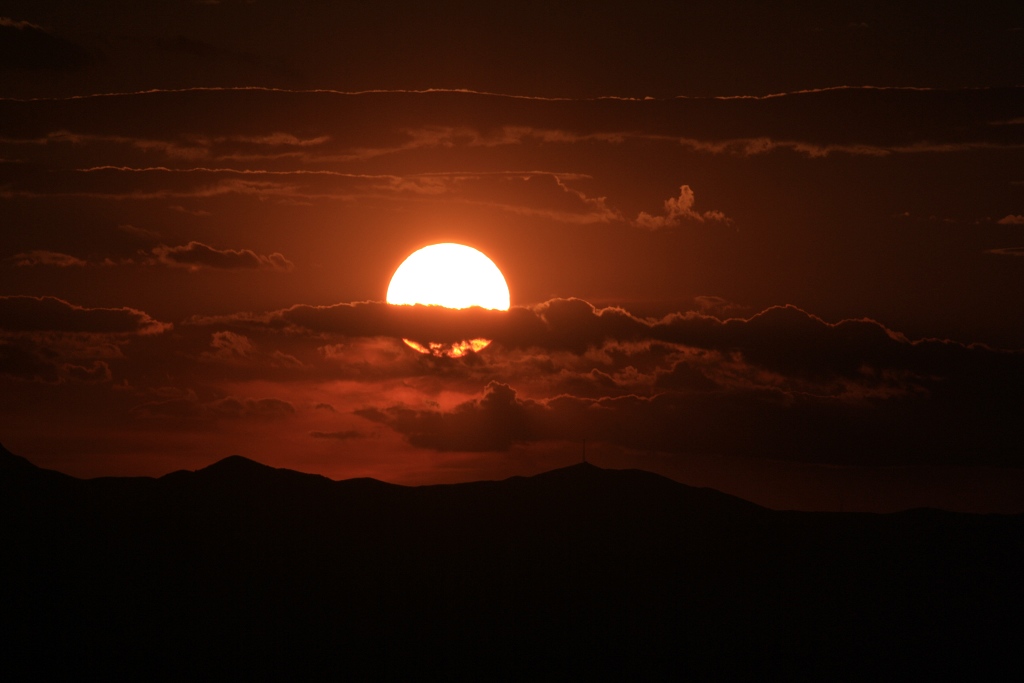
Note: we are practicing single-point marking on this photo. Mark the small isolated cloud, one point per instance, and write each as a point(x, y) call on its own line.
point(46, 258)
point(196, 255)
point(1012, 219)
point(677, 210)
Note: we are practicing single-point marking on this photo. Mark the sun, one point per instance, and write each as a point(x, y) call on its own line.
point(453, 276)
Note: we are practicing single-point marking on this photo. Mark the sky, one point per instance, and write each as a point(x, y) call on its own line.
point(777, 250)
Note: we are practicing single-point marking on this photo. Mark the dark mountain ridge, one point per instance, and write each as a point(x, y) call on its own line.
point(240, 569)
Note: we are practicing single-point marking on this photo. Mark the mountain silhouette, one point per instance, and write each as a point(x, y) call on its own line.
point(239, 570)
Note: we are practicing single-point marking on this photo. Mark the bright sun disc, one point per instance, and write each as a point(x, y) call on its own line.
point(453, 276)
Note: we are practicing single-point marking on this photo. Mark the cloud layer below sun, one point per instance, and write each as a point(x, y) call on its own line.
point(783, 383)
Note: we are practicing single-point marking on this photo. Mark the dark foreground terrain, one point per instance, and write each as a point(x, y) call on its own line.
point(241, 571)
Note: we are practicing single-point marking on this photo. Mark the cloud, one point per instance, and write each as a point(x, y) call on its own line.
point(491, 423)
point(340, 436)
point(27, 46)
point(191, 212)
point(41, 363)
point(171, 149)
point(229, 346)
point(50, 314)
point(783, 339)
point(196, 255)
point(279, 138)
point(46, 258)
point(99, 371)
point(31, 364)
point(768, 423)
point(717, 306)
point(763, 145)
point(677, 210)
point(781, 382)
point(533, 193)
point(1011, 219)
point(1006, 251)
point(136, 231)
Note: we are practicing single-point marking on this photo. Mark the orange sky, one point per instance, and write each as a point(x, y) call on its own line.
point(776, 253)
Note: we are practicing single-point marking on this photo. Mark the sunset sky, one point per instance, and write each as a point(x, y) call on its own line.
point(775, 250)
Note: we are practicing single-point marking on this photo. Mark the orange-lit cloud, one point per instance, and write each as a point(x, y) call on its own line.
point(678, 210)
point(196, 255)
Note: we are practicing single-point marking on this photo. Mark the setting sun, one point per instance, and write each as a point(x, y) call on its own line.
point(453, 276)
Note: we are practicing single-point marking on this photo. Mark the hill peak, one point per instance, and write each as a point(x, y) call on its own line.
point(9, 462)
point(236, 463)
point(236, 468)
point(19, 467)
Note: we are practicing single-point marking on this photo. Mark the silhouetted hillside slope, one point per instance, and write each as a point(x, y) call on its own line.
point(240, 570)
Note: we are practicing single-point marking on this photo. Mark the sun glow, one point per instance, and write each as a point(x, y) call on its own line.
point(453, 276)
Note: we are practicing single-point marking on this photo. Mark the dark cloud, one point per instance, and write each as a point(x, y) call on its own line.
point(46, 258)
point(718, 307)
point(99, 371)
point(29, 47)
point(1011, 219)
point(781, 339)
point(50, 314)
point(143, 233)
point(544, 195)
point(196, 255)
point(28, 363)
point(492, 423)
point(23, 360)
point(912, 429)
point(782, 383)
point(230, 347)
point(340, 436)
